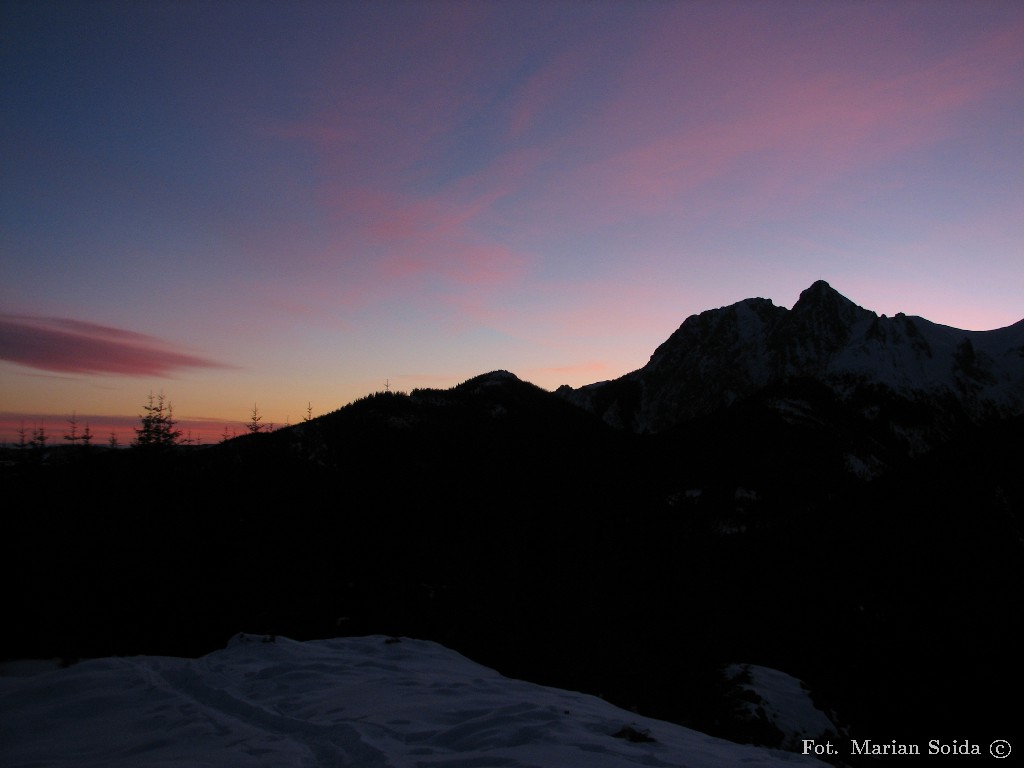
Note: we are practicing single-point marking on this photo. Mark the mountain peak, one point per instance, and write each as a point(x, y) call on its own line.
point(823, 319)
point(821, 293)
point(493, 378)
point(724, 355)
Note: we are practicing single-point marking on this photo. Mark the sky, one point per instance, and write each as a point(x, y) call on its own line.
point(288, 205)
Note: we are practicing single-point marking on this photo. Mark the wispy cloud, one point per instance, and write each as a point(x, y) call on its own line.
point(66, 345)
point(678, 137)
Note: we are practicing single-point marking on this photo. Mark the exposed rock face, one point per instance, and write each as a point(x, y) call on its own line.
point(724, 355)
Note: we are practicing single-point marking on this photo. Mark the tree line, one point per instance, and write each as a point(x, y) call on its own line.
point(157, 429)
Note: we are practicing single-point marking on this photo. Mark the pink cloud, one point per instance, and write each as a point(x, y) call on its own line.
point(774, 133)
point(794, 110)
point(438, 235)
point(74, 346)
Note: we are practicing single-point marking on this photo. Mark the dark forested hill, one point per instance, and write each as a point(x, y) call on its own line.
point(863, 538)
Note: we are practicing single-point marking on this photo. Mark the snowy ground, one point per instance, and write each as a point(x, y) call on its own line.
point(363, 702)
point(781, 701)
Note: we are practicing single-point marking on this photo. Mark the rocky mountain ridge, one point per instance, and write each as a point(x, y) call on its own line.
point(725, 355)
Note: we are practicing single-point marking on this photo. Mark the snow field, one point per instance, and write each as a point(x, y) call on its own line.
point(359, 702)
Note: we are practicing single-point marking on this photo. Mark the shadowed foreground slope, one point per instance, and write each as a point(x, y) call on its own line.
point(863, 540)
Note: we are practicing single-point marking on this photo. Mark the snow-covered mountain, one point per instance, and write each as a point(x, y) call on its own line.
point(724, 355)
point(368, 702)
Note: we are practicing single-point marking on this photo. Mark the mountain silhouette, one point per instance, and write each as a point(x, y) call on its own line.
point(724, 355)
point(820, 490)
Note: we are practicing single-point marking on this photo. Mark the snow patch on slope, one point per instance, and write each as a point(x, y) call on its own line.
point(781, 701)
point(362, 702)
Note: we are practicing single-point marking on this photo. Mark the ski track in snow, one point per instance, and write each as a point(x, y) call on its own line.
point(344, 703)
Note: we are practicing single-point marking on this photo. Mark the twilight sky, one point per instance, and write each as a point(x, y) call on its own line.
point(292, 202)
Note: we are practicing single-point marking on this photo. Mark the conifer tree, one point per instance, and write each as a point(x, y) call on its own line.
point(72, 435)
point(254, 425)
point(173, 435)
point(158, 425)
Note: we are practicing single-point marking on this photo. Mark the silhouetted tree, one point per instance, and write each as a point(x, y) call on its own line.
point(254, 425)
point(112, 441)
point(87, 436)
point(72, 435)
point(309, 412)
point(23, 443)
point(158, 425)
